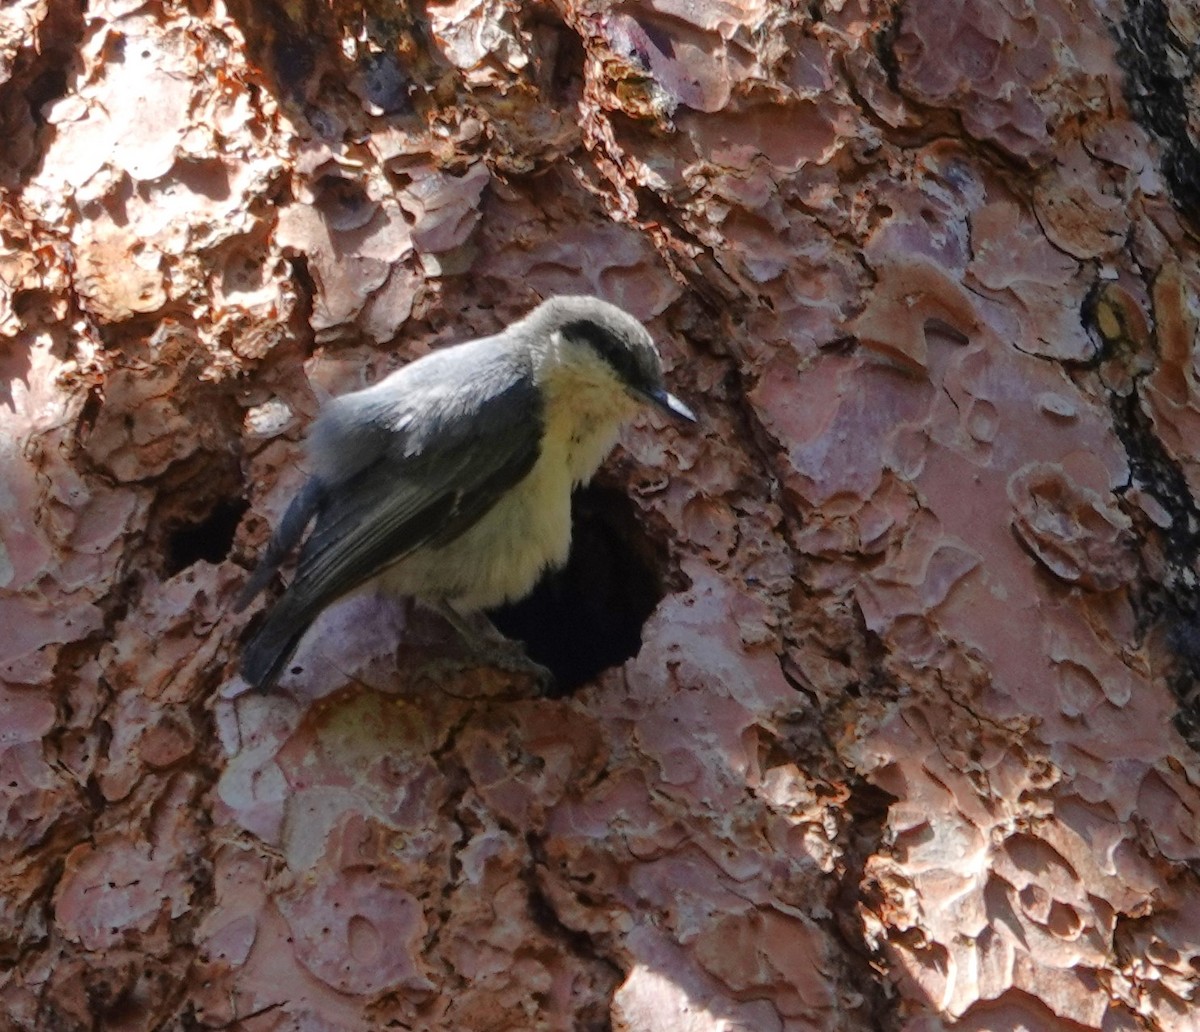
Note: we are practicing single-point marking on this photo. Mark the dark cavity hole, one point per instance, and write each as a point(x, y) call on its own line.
point(209, 540)
point(588, 616)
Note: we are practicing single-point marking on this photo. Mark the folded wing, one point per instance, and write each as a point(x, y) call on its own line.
point(438, 465)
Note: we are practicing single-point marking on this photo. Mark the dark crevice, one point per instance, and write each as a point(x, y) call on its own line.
point(1160, 69)
point(47, 86)
point(885, 41)
point(306, 294)
point(39, 73)
point(559, 58)
point(459, 815)
point(588, 616)
point(862, 837)
point(594, 1016)
point(805, 738)
point(1175, 602)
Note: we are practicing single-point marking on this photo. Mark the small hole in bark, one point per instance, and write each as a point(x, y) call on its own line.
point(588, 616)
point(209, 540)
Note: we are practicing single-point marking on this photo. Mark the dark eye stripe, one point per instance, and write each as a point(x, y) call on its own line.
point(616, 352)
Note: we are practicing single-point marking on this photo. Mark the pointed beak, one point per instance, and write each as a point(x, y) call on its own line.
point(667, 403)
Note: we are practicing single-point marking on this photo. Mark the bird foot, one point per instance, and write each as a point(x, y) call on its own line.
point(460, 676)
point(490, 648)
point(511, 656)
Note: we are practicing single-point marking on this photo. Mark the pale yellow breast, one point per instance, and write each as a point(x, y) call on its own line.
point(586, 417)
point(528, 530)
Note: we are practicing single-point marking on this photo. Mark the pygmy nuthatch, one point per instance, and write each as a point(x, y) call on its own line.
point(450, 480)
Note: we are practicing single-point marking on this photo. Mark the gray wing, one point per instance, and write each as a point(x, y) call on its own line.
point(445, 465)
point(432, 484)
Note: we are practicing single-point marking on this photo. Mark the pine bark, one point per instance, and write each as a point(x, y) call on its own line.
point(881, 710)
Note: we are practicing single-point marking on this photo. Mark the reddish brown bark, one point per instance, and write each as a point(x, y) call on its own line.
point(905, 742)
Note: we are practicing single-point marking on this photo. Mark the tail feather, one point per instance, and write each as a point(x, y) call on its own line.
point(273, 644)
point(268, 651)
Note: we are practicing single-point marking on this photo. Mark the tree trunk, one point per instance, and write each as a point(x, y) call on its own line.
point(876, 703)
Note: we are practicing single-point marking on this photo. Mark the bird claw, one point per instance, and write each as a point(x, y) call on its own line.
point(492, 648)
point(511, 656)
point(461, 676)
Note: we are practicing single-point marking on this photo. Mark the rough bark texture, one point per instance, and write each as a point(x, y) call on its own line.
point(905, 743)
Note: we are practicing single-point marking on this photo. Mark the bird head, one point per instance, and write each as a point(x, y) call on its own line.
point(608, 341)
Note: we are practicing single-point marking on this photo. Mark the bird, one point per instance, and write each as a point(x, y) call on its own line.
point(449, 481)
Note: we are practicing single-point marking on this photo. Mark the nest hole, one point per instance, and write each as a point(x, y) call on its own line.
point(208, 540)
point(588, 616)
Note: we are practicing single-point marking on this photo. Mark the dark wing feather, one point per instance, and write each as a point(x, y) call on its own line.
point(286, 537)
point(431, 484)
point(436, 488)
